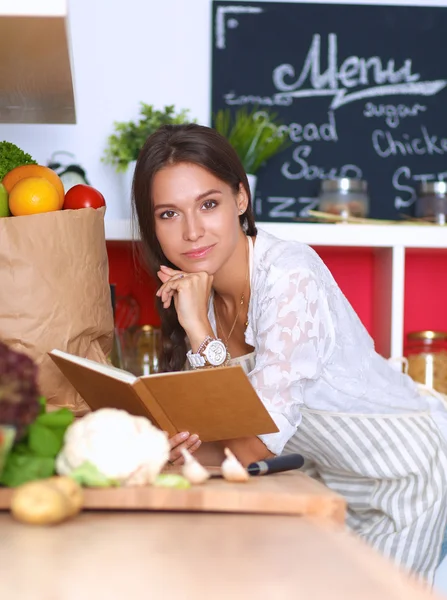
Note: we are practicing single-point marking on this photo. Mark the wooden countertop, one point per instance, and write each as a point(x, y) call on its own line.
point(200, 556)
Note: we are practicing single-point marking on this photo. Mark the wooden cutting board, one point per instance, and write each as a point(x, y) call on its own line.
point(282, 493)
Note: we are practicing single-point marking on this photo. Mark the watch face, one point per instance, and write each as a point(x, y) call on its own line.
point(216, 353)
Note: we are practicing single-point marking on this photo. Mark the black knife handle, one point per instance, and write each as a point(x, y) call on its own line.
point(287, 462)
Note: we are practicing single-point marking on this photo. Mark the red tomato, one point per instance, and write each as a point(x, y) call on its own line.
point(83, 196)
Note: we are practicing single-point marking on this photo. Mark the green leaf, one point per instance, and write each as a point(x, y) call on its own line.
point(43, 441)
point(88, 475)
point(22, 448)
point(59, 432)
point(256, 136)
point(21, 468)
point(7, 435)
point(43, 404)
point(124, 145)
point(172, 480)
point(12, 156)
point(58, 418)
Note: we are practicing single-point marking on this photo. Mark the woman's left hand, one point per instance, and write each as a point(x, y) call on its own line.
point(180, 441)
point(190, 293)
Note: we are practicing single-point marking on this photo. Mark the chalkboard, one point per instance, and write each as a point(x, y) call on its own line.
point(361, 89)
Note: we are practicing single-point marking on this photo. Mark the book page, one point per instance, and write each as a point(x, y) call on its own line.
point(119, 374)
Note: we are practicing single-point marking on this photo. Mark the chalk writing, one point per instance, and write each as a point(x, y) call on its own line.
point(354, 71)
point(283, 206)
point(392, 114)
point(312, 172)
point(386, 144)
point(221, 12)
point(277, 100)
point(402, 179)
point(310, 132)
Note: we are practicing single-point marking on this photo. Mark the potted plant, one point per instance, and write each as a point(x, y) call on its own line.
point(256, 136)
point(124, 145)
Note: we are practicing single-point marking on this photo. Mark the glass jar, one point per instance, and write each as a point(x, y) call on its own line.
point(432, 201)
point(147, 340)
point(426, 352)
point(346, 197)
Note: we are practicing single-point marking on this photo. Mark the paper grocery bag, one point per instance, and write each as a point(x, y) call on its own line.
point(54, 293)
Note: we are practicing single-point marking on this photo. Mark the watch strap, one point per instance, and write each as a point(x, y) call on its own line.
point(196, 361)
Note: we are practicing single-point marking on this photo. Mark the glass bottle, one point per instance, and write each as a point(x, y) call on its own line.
point(147, 340)
point(116, 355)
point(426, 352)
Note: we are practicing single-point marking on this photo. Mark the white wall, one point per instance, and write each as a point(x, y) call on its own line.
point(124, 52)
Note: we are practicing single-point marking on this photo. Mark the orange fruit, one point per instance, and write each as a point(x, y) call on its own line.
point(33, 195)
point(25, 171)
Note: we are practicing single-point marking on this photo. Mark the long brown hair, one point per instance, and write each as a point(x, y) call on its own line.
point(169, 145)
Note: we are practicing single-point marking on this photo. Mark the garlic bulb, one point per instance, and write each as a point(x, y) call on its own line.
point(192, 470)
point(232, 470)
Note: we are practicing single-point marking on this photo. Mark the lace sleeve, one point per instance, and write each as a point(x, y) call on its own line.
point(294, 338)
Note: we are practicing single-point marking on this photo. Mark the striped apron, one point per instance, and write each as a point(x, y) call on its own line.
point(392, 471)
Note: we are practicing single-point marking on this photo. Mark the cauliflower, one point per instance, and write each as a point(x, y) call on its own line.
point(112, 447)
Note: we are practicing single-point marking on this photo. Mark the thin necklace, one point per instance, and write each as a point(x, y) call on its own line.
point(241, 303)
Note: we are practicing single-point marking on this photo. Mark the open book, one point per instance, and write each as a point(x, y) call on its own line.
point(216, 404)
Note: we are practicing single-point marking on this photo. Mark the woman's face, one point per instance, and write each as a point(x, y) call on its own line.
point(196, 217)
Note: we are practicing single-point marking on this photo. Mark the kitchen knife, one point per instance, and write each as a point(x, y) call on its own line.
point(288, 462)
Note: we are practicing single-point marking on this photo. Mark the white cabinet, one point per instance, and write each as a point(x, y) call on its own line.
point(390, 246)
point(36, 75)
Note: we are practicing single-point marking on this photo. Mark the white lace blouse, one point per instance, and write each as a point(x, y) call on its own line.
point(311, 349)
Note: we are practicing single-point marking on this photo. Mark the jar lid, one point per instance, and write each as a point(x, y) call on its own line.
point(427, 335)
point(344, 184)
point(433, 187)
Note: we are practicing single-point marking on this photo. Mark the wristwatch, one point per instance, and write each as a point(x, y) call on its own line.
point(211, 353)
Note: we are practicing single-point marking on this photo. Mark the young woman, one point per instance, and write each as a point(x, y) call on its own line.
point(230, 293)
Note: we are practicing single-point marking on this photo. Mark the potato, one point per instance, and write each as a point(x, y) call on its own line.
point(38, 503)
point(71, 490)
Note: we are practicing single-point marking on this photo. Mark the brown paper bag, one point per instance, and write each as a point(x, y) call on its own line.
point(54, 293)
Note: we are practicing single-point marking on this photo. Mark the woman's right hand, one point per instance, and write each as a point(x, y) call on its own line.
point(190, 293)
point(180, 441)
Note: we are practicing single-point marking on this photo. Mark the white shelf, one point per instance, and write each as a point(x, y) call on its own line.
point(316, 234)
point(36, 83)
point(369, 236)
